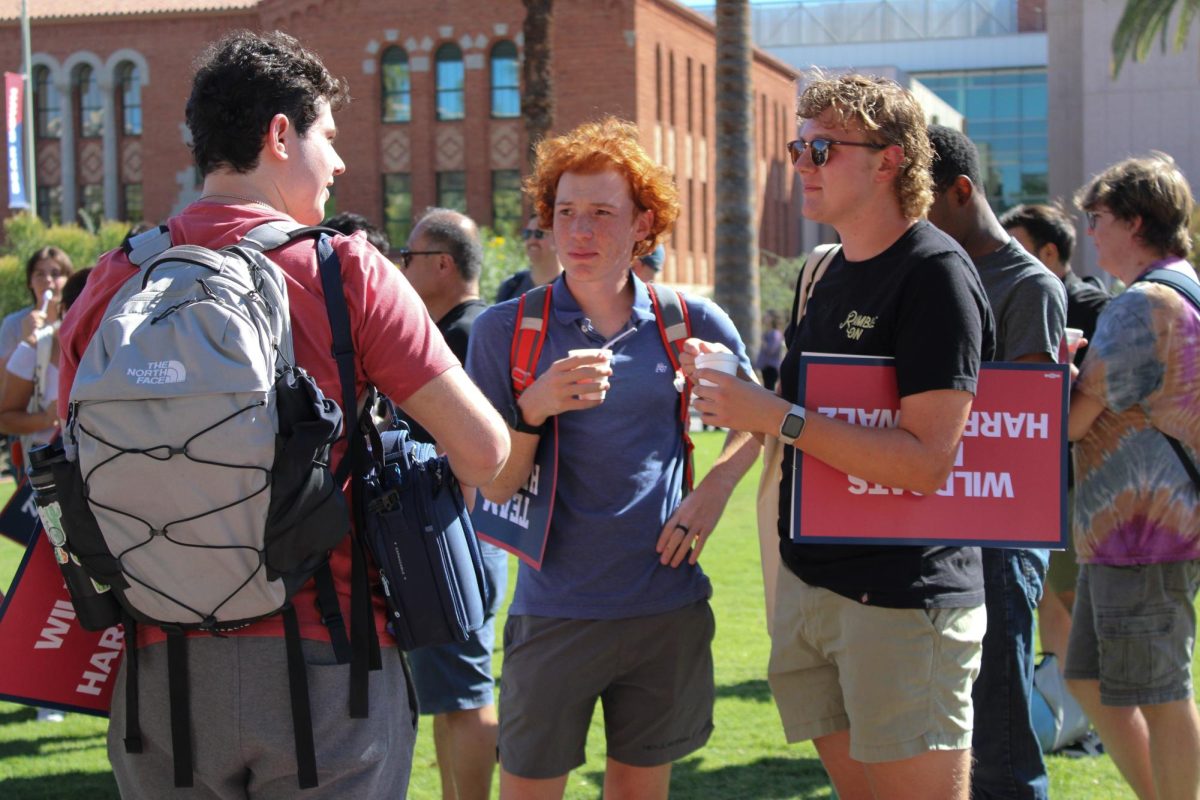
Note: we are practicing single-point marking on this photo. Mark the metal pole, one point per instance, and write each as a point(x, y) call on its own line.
point(30, 111)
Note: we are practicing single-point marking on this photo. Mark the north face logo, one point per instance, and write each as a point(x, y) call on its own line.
point(159, 372)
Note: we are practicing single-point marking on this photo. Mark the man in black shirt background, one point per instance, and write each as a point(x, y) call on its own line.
point(454, 682)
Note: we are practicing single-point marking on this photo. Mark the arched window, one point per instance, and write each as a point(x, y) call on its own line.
point(91, 104)
point(129, 84)
point(506, 81)
point(450, 78)
point(47, 119)
point(397, 86)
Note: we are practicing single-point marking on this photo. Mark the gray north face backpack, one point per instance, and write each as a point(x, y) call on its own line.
point(200, 489)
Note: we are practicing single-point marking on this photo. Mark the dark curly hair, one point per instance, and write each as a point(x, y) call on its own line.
point(953, 155)
point(242, 81)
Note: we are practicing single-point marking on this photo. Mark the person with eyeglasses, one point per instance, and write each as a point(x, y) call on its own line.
point(875, 647)
point(543, 262)
point(454, 682)
point(1135, 421)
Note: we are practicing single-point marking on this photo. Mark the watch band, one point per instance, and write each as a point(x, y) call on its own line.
point(516, 420)
point(792, 425)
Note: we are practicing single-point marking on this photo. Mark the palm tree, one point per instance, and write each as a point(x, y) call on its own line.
point(537, 101)
point(736, 286)
point(1143, 21)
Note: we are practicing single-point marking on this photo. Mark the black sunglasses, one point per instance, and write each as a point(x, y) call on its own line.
point(819, 149)
point(534, 233)
point(406, 255)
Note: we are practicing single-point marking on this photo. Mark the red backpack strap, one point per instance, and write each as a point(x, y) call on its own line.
point(675, 326)
point(529, 334)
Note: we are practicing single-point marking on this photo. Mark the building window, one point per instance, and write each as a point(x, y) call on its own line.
point(658, 80)
point(689, 95)
point(91, 201)
point(671, 88)
point(397, 207)
point(506, 200)
point(506, 81)
point(91, 104)
point(452, 190)
point(704, 103)
point(450, 77)
point(1006, 116)
point(131, 202)
point(130, 82)
point(397, 86)
point(49, 204)
point(47, 118)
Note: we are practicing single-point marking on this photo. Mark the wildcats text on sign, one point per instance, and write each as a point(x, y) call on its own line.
point(1008, 484)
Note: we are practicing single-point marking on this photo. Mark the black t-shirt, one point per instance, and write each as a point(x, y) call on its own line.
point(455, 326)
point(922, 303)
point(1085, 301)
point(514, 285)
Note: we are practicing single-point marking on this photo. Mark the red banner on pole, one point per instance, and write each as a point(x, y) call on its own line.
point(49, 660)
point(1008, 485)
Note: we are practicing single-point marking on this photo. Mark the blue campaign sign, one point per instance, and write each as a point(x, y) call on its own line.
point(522, 524)
point(19, 519)
point(14, 116)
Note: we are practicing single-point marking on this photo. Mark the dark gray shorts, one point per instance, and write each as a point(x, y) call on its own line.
point(653, 676)
point(1134, 630)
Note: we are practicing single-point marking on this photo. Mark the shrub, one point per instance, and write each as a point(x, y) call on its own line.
point(502, 256)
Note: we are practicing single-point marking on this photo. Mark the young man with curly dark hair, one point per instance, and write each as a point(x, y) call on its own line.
point(261, 117)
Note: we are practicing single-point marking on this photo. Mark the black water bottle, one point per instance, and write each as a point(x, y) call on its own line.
point(95, 606)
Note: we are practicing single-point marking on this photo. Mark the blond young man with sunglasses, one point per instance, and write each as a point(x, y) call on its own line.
point(875, 648)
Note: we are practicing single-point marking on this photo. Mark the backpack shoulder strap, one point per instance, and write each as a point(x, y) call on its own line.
point(675, 326)
point(1191, 292)
point(44, 348)
point(146, 245)
point(1177, 281)
point(529, 334)
point(815, 265)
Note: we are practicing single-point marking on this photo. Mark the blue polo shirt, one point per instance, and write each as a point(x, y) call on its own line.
point(620, 468)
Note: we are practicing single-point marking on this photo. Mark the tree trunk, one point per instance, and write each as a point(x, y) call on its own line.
point(537, 101)
point(736, 271)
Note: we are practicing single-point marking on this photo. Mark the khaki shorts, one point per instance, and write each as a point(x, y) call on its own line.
point(652, 675)
point(899, 679)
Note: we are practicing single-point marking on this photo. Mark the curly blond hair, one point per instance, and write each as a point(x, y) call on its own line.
point(890, 115)
point(593, 147)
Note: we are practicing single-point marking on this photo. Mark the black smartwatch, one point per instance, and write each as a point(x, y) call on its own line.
point(516, 421)
point(793, 425)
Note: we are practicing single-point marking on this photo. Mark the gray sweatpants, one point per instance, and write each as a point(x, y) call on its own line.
point(242, 726)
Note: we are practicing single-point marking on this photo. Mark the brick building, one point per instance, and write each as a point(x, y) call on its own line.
point(436, 112)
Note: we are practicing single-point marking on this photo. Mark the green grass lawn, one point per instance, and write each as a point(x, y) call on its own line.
point(746, 759)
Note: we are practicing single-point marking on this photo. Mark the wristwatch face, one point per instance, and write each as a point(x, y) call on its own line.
point(793, 426)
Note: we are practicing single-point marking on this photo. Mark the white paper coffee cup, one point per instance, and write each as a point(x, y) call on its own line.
point(721, 362)
point(598, 352)
point(1072, 335)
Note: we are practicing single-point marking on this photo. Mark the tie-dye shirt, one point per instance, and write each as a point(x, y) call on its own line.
point(1134, 500)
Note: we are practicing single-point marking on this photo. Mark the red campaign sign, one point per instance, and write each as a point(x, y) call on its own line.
point(49, 660)
point(1008, 485)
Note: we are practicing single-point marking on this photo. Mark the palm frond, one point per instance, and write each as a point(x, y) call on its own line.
point(1143, 21)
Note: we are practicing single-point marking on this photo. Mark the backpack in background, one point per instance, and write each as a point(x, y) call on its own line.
point(1058, 720)
point(420, 536)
